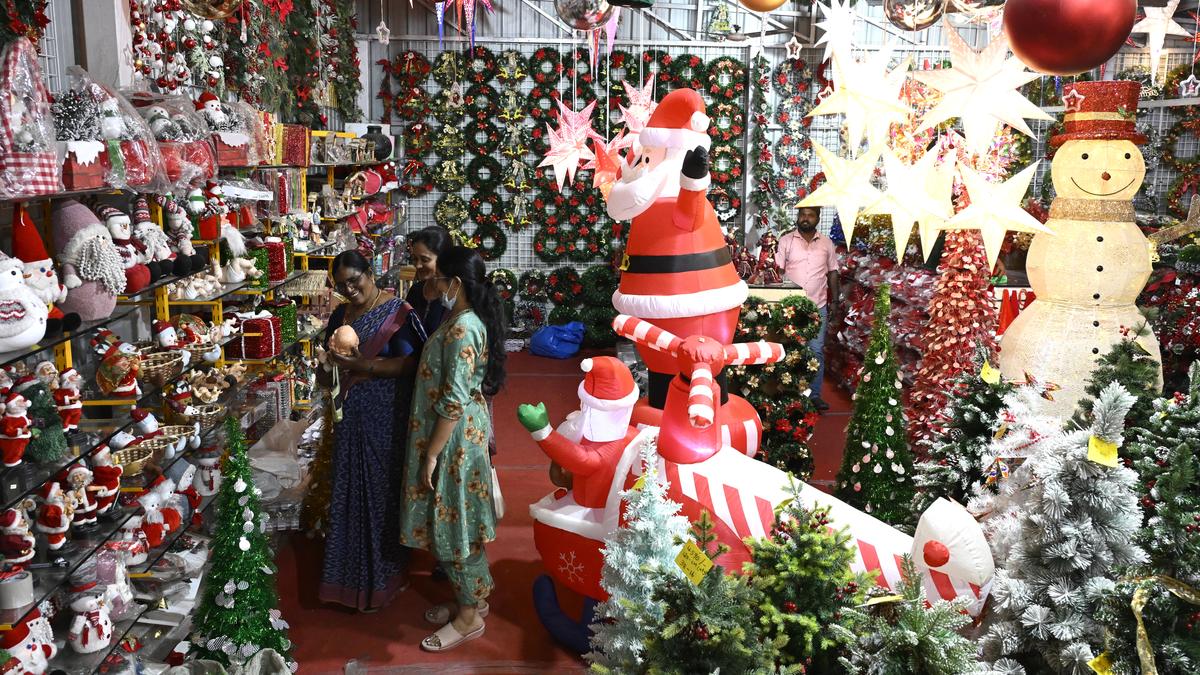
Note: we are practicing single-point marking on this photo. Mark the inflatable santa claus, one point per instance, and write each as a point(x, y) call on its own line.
point(677, 271)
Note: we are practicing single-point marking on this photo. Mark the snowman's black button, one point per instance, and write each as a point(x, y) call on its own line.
point(1095, 296)
point(1095, 350)
point(1096, 324)
point(1099, 238)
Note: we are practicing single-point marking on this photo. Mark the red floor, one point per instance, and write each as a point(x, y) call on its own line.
point(515, 642)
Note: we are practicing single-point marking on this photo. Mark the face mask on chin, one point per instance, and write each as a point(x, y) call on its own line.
point(449, 300)
point(639, 187)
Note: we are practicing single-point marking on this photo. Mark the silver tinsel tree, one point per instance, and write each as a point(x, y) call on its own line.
point(1072, 535)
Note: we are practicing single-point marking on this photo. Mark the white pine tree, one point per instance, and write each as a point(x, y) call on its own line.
point(1076, 527)
point(645, 544)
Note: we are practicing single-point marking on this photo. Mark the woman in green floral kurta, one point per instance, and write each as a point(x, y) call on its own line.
point(448, 508)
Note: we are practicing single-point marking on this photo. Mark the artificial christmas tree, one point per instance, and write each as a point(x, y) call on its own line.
point(955, 466)
point(633, 555)
point(1073, 535)
point(236, 618)
point(877, 468)
point(962, 316)
point(1129, 363)
point(901, 635)
point(707, 626)
point(48, 444)
point(1164, 453)
point(802, 572)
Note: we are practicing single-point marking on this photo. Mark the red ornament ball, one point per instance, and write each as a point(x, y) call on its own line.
point(1067, 37)
point(189, 43)
point(701, 633)
point(789, 606)
point(162, 82)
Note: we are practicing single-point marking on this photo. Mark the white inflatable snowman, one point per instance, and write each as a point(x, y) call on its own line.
point(1088, 273)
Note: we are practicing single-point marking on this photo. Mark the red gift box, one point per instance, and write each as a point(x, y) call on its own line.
point(260, 338)
point(195, 157)
point(139, 162)
point(209, 228)
point(231, 155)
point(79, 176)
point(295, 145)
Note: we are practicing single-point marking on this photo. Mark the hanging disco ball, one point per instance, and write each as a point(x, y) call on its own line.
point(212, 9)
point(913, 14)
point(584, 14)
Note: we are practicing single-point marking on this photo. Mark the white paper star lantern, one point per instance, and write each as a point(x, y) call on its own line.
point(981, 89)
point(847, 185)
point(996, 209)
point(569, 143)
point(1158, 24)
point(868, 95)
point(837, 27)
point(916, 193)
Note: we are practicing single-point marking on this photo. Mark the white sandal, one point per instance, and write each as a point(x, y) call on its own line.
point(440, 614)
point(447, 637)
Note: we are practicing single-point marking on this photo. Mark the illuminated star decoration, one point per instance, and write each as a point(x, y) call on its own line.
point(995, 209)
point(569, 143)
point(916, 193)
point(605, 160)
point(980, 88)
point(837, 27)
point(847, 185)
point(1158, 24)
point(641, 106)
point(869, 96)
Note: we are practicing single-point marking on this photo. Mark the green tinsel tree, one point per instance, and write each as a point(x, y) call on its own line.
point(877, 467)
point(802, 572)
point(237, 617)
point(48, 444)
point(634, 556)
point(1130, 364)
point(1072, 527)
point(904, 637)
point(1166, 455)
point(954, 467)
point(709, 626)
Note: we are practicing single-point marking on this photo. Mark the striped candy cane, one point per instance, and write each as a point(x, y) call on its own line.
point(646, 333)
point(753, 353)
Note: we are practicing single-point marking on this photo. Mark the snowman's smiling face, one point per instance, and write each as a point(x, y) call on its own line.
point(1110, 170)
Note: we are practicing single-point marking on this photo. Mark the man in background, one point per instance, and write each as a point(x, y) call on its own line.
point(809, 260)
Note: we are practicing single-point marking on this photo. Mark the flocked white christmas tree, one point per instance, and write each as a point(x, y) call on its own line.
point(1072, 534)
point(645, 543)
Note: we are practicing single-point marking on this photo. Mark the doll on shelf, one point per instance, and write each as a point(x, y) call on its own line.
point(766, 271)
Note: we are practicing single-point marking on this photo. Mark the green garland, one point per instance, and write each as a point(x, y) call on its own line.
point(418, 140)
point(448, 142)
point(545, 66)
point(449, 68)
point(542, 106)
point(484, 172)
point(505, 281)
point(448, 176)
point(448, 106)
point(482, 137)
point(562, 315)
point(548, 245)
point(763, 172)
point(416, 181)
point(532, 285)
point(450, 212)
point(657, 63)
point(413, 105)
point(1187, 122)
point(726, 78)
point(1183, 185)
point(688, 71)
point(511, 71)
point(597, 326)
point(482, 102)
point(490, 241)
point(728, 122)
point(599, 283)
point(725, 162)
point(486, 208)
point(792, 77)
point(480, 65)
point(564, 286)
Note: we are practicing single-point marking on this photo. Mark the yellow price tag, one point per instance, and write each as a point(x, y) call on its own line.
point(141, 575)
point(1101, 664)
point(989, 374)
point(879, 600)
point(692, 561)
point(640, 482)
point(1102, 452)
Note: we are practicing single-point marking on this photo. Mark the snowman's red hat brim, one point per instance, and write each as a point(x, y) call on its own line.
point(1099, 135)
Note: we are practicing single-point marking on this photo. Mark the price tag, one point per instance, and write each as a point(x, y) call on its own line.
point(692, 561)
point(1101, 664)
point(989, 374)
point(1102, 452)
point(640, 482)
point(141, 575)
point(881, 599)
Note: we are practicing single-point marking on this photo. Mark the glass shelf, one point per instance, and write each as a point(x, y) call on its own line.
point(48, 345)
point(226, 291)
point(68, 194)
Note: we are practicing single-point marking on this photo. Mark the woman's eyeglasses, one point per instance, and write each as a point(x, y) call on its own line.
point(343, 286)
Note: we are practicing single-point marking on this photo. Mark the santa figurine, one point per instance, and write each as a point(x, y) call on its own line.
point(47, 372)
point(766, 271)
point(106, 478)
point(68, 399)
point(54, 517)
point(185, 490)
point(677, 271)
point(14, 429)
point(137, 275)
point(168, 338)
point(214, 112)
point(151, 241)
point(208, 476)
point(91, 629)
point(179, 235)
point(120, 364)
point(589, 444)
point(40, 275)
point(22, 313)
point(17, 544)
point(30, 646)
point(77, 480)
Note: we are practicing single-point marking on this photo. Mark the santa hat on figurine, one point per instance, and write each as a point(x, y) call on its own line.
point(678, 123)
point(1100, 111)
point(40, 275)
point(165, 334)
point(607, 395)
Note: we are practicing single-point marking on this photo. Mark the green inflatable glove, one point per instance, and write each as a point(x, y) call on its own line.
point(532, 417)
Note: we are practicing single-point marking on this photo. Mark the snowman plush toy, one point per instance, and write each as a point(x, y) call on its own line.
point(22, 313)
point(1087, 273)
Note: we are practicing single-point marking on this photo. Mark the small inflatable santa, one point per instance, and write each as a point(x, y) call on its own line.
point(677, 271)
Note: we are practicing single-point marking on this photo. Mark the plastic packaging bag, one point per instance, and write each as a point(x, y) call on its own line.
point(127, 149)
point(183, 138)
point(28, 154)
point(557, 342)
